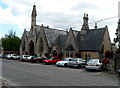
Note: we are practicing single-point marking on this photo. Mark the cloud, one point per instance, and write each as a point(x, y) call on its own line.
point(83, 5)
point(58, 13)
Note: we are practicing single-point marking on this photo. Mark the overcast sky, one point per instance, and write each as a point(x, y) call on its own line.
point(61, 14)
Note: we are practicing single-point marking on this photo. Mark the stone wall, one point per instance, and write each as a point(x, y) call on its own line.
point(93, 55)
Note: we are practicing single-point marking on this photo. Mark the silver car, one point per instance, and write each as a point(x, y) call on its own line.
point(77, 62)
point(26, 58)
point(94, 64)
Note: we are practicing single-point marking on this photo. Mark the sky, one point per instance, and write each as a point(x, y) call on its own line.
point(60, 14)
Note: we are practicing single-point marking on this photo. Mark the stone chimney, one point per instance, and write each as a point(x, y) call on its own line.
point(85, 22)
point(95, 26)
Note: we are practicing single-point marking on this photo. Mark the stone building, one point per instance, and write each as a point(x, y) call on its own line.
point(85, 42)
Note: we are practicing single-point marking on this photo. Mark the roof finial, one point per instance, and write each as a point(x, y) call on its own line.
point(84, 14)
point(34, 3)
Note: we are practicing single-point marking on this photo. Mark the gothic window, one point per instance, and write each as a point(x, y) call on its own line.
point(66, 54)
point(54, 53)
point(31, 48)
point(71, 55)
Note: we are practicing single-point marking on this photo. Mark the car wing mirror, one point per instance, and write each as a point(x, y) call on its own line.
point(69, 59)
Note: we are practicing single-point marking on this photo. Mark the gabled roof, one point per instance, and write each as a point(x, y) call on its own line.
point(53, 34)
point(92, 40)
point(25, 34)
point(75, 33)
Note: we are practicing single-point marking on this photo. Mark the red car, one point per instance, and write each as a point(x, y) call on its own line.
point(52, 60)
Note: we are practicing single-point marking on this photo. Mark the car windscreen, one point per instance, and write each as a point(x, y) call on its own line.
point(93, 61)
point(65, 59)
point(74, 59)
point(51, 58)
point(39, 57)
point(15, 55)
point(26, 56)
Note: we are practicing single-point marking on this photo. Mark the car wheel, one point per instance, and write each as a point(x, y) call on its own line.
point(44, 63)
point(11, 58)
point(65, 65)
point(78, 66)
point(100, 69)
point(86, 69)
point(58, 66)
point(22, 60)
point(37, 61)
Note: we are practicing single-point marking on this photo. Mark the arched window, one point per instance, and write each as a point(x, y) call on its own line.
point(54, 53)
point(71, 55)
point(31, 48)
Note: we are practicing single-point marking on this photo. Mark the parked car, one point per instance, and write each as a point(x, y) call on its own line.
point(37, 59)
point(52, 60)
point(94, 64)
point(64, 62)
point(26, 58)
point(77, 62)
point(1, 55)
point(13, 56)
point(119, 72)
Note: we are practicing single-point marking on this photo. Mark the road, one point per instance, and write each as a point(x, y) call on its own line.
point(37, 74)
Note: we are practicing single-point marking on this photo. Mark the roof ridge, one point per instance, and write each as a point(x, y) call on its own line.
point(96, 29)
point(75, 30)
point(55, 29)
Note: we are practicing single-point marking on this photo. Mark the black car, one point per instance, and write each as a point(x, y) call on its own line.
point(119, 72)
point(37, 59)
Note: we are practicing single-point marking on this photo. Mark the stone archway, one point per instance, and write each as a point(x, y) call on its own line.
point(54, 53)
point(69, 51)
point(31, 48)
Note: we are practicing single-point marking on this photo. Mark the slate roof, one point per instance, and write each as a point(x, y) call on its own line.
point(60, 41)
point(53, 34)
point(37, 28)
point(92, 40)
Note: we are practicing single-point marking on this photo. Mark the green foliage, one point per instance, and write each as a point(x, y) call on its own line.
point(109, 54)
point(11, 42)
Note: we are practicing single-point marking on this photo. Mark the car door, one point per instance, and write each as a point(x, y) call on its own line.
point(54, 60)
point(70, 61)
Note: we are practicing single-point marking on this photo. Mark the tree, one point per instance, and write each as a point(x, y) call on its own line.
point(117, 39)
point(11, 42)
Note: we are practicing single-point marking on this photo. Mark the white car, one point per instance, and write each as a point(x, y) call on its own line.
point(13, 56)
point(64, 62)
point(94, 64)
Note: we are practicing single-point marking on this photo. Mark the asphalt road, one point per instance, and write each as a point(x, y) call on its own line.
point(37, 74)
